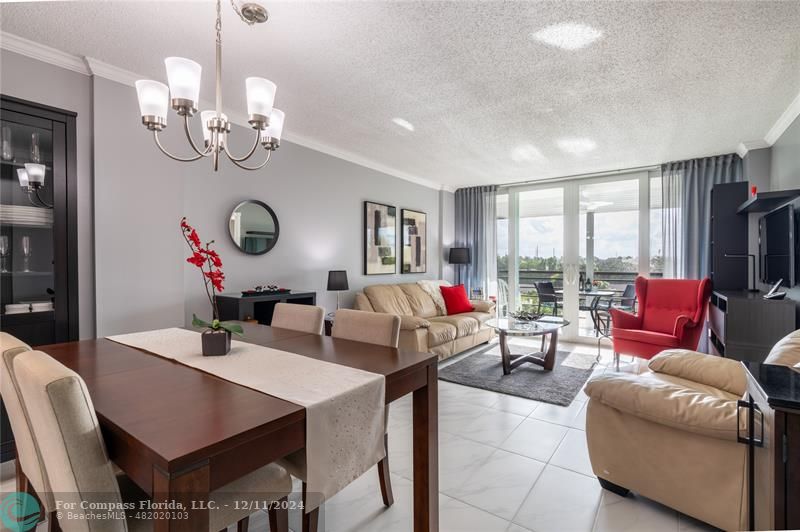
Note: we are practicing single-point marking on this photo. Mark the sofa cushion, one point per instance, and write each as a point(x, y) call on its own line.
point(482, 317)
point(670, 401)
point(464, 325)
point(389, 299)
point(456, 300)
point(787, 351)
point(422, 304)
point(646, 337)
point(440, 333)
point(723, 373)
point(410, 323)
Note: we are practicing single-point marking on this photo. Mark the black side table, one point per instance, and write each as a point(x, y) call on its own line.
point(329, 323)
point(260, 307)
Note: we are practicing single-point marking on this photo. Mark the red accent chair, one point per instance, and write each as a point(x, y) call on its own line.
point(670, 315)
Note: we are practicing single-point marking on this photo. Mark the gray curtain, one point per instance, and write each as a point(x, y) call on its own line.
point(476, 209)
point(686, 211)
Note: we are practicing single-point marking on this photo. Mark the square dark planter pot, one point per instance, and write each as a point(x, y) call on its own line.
point(216, 343)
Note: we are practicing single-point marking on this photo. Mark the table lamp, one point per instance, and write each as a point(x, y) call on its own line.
point(459, 256)
point(337, 281)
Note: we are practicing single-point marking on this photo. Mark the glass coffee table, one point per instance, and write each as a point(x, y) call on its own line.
point(544, 327)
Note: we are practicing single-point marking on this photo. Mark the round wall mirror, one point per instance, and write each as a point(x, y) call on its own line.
point(253, 227)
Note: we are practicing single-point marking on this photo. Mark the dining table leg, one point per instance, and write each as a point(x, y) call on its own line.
point(426, 453)
point(191, 489)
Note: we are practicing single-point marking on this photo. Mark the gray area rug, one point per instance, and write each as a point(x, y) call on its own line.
point(559, 387)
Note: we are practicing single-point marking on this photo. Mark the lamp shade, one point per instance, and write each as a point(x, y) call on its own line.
point(153, 98)
point(35, 174)
point(275, 128)
point(337, 280)
point(459, 256)
point(260, 96)
point(22, 175)
point(184, 78)
point(205, 117)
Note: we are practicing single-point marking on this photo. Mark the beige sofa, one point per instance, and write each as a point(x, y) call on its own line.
point(669, 433)
point(423, 326)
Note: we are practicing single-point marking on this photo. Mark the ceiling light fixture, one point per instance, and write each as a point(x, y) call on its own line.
point(405, 124)
point(568, 35)
point(526, 153)
point(183, 94)
point(576, 146)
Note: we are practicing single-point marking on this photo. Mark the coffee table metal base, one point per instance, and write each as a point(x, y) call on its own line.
point(545, 358)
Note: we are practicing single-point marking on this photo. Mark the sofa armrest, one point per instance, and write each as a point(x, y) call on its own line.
point(481, 305)
point(668, 402)
point(624, 320)
point(721, 373)
point(409, 323)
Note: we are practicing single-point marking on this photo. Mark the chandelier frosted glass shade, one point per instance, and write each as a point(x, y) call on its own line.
point(184, 82)
point(35, 174)
point(260, 96)
point(22, 175)
point(153, 100)
point(183, 95)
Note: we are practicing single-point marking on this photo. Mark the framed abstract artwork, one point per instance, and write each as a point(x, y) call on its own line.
point(380, 238)
point(414, 252)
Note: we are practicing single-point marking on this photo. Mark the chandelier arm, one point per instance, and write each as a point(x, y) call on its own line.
point(207, 151)
point(259, 167)
point(43, 202)
point(249, 154)
point(168, 154)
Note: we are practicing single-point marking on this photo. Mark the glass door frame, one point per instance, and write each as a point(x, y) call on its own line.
point(571, 236)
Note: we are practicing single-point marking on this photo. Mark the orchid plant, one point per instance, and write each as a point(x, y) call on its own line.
point(209, 263)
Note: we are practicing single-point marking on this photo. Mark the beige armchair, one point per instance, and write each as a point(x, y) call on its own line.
point(670, 433)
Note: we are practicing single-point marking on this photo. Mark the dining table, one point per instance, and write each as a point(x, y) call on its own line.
point(180, 433)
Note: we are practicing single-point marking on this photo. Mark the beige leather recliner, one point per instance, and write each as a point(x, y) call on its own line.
point(669, 433)
point(423, 326)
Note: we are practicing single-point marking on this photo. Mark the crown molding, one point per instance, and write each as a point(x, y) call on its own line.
point(745, 147)
point(784, 121)
point(41, 52)
point(90, 66)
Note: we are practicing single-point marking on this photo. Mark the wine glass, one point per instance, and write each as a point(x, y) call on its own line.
point(3, 253)
point(26, 253)
point(8, 151)
point(36, 153)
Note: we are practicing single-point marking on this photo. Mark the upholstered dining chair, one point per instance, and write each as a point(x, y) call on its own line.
point(75, 462)
point(29, 466)
point(371, 328)
point(303, 318)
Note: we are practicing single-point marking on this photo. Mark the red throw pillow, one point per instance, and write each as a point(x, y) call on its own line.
point(455, 299)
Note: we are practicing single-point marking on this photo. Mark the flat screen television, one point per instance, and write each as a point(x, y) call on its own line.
point(776, 245)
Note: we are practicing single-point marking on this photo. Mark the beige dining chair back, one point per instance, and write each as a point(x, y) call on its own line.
point(29, 459)
point(65, 429)
point(369, 327)
point(304, 318)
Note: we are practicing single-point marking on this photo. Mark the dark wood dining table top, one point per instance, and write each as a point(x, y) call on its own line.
point(178, 412)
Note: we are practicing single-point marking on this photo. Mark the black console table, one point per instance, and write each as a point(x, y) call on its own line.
point(259, 307)
point(744, 326)
point(773, 436)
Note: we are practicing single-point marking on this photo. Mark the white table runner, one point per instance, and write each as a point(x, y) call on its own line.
point(344, 406)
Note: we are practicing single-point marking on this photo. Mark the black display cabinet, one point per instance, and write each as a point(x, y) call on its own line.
point(38, 230)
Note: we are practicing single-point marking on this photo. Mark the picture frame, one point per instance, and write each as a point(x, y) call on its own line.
point(414, 241)
point(380, 238)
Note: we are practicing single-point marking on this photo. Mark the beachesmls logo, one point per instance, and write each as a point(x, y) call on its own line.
point(19, 512)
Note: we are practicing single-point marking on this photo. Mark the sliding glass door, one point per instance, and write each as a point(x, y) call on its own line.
point(588, 238)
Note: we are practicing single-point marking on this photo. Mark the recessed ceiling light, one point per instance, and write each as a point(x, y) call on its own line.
point(405, 124)
point(568, 35)
point(577, 146)
point(526, 153)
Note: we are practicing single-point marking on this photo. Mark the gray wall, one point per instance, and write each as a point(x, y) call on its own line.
point(40, 82)
point(785, 163)
point(132, 255)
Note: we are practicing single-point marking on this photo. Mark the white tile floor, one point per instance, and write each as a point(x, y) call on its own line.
point(506, 464)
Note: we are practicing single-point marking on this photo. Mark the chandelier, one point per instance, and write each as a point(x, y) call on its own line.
point(183, 94)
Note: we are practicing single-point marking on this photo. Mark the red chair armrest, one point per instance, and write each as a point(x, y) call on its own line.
point(624, 320)
point(682, 323)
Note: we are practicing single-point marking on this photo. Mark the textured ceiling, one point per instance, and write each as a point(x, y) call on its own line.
point(489, 103)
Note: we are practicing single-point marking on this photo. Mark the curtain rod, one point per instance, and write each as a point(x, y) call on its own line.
point(579, 176)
